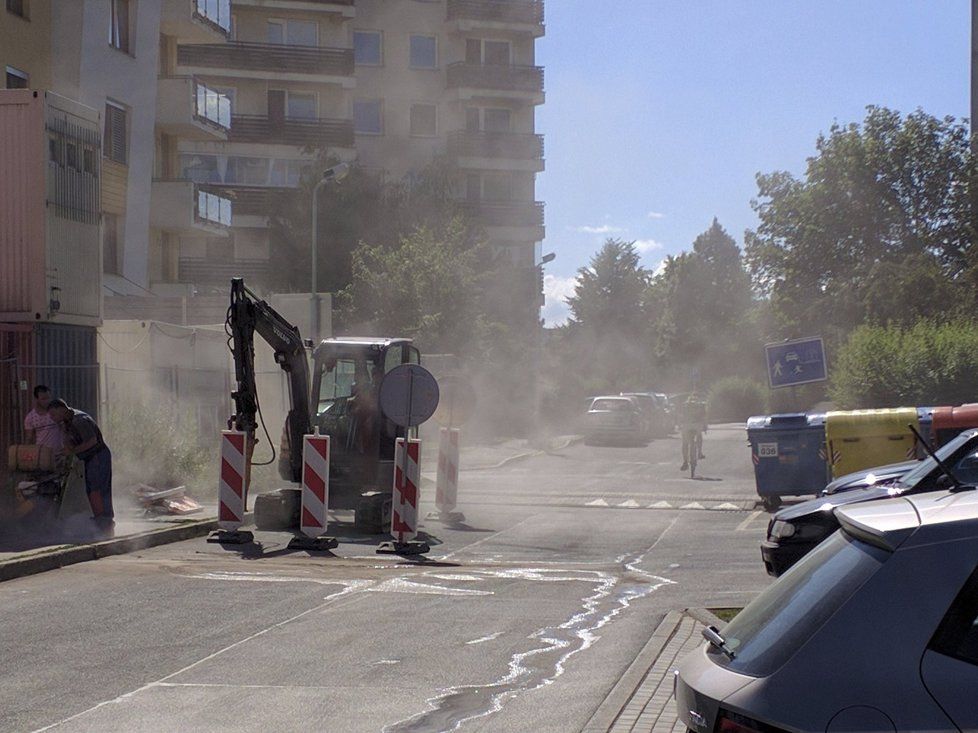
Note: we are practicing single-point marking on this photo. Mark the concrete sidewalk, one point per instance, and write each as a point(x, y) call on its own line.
point(642, 701)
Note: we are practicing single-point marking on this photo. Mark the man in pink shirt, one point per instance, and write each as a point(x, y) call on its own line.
point(38, 425)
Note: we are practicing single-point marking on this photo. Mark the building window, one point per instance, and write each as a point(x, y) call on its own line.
point(368, 117)
point(424, 52)
point(18, 7)
point(423, 120)
point(88, 161)
point(493, 53)
point(497, 120)
point(368, 48)
point(56, 150)
point(301, 106)
point(115, 138)
point(17, 79)
point(110, 244)
point(119, 25)
point(293, 32)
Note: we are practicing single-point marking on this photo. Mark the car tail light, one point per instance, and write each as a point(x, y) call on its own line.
point(728, 722)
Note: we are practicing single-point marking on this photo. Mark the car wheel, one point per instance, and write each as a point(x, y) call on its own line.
point(771, 503)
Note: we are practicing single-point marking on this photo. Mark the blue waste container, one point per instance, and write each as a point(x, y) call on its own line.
point(788, 453)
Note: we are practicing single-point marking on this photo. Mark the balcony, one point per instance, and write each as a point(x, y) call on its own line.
point(318, 132)
point(191, 209)
point(508, 15)
point(196, 21)
point(511, 220)
point(190, 109)
point(343, 8)
point(496, 81)
point(277, 62)
point(204, 271)
point(496, 150)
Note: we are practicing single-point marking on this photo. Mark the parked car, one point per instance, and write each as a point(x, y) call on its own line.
point(795, 530)
point(655, 412)
point(614, 418)
point(876, 630)
point(877, 476)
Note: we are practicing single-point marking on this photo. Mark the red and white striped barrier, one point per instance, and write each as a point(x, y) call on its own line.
point(315, 484)
point(407, 482)
point(233, 487)
point(446, 483)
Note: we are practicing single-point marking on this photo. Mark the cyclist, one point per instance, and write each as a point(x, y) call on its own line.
point(693, 425)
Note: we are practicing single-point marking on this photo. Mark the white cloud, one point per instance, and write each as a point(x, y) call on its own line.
point(556, 291)
point(647, 245)
point(603, 229)
point(656, 215)
point(660, 268)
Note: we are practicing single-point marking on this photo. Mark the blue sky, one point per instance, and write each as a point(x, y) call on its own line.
point(659, 113)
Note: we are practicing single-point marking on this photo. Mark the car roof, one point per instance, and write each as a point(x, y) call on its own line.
point(932, 517)
point(624, 398)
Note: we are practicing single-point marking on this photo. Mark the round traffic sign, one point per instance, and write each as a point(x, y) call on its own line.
point(457, 403)
point(408, 395)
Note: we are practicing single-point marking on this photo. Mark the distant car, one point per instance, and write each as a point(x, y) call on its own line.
point(614, 418)
point(876, 630)
point(655, 412)
point(795, 530)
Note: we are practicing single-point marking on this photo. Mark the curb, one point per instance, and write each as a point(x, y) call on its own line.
point(608, 711)
point(40, 563)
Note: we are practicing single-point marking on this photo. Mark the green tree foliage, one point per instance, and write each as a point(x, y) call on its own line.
point(929, 363)
point(430, 286)
point(884, 205)
point(700, 308)
point(736, 398)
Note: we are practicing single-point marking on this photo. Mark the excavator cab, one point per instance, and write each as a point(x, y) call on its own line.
point(346, 379)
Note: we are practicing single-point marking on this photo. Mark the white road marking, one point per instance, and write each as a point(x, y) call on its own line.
point(726, 506)
point(692, 505)
point(661, 505)
point(742, 527)
point(629, 504)
point(597, 502)
point(491, 637)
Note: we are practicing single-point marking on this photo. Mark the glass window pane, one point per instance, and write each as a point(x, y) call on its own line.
point(498, 120)
point(424, 52)
point(302, 33)
point(301, 106)
point(250, 171)
point(367, 117)
point(276, 32)
point(200, 168)
point(497, 52)
point(367, 48)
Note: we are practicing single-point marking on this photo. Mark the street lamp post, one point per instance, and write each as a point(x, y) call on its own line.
point(332, 175)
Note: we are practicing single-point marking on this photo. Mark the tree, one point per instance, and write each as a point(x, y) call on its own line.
point(699, 307)
point(887, 197)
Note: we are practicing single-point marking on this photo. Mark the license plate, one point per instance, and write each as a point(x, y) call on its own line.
point(767, 450)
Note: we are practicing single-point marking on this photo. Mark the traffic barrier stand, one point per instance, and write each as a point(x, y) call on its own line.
point(404, 509)
point(232, 489)
point(315, 495)
point(446, 483)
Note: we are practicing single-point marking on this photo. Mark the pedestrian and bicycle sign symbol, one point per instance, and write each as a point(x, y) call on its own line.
point(791, 363)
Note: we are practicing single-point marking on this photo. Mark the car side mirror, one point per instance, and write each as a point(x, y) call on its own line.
point(943, 482)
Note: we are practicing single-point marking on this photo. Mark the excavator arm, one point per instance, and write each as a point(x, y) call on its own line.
point(248, 314)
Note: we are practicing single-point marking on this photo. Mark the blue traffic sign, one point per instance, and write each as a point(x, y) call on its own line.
point(791, 363)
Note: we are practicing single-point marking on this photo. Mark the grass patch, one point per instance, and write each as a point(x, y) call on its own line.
point(725, 614)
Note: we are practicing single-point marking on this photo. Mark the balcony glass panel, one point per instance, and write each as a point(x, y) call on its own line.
point(212, 106)
point(213, 208)
point(217, 12)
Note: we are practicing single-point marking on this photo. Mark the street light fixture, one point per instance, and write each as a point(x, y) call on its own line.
point(331, 175)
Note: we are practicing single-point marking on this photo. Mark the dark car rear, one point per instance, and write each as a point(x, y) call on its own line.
point(614, 419)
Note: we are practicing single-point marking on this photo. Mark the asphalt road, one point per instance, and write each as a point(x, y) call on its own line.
point(523, 619)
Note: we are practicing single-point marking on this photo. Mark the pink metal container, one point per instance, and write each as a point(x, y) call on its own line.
point(50, 232)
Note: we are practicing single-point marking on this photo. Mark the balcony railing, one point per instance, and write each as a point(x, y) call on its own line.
point(468, 144)
point(211, 106)
point(506, 213)
point(269, 57)
point(215, 12)
point(501, 77)
point(259, 129)
point(255, 200)
point(503, 11)
point(212, 208)
point(200, 270)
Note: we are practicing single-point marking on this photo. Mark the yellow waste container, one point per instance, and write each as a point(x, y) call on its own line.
point(858, 439)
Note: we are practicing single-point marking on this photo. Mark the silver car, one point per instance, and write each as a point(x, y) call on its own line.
point(874, 630)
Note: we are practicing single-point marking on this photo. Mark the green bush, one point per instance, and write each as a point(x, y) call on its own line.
point(736, 398)
point(888, 366)
point(159, 445)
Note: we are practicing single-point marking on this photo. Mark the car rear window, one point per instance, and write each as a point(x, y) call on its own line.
point(779, 621)
point(612, 405)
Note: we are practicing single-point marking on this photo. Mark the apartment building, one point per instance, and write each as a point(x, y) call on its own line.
point(25, 44)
